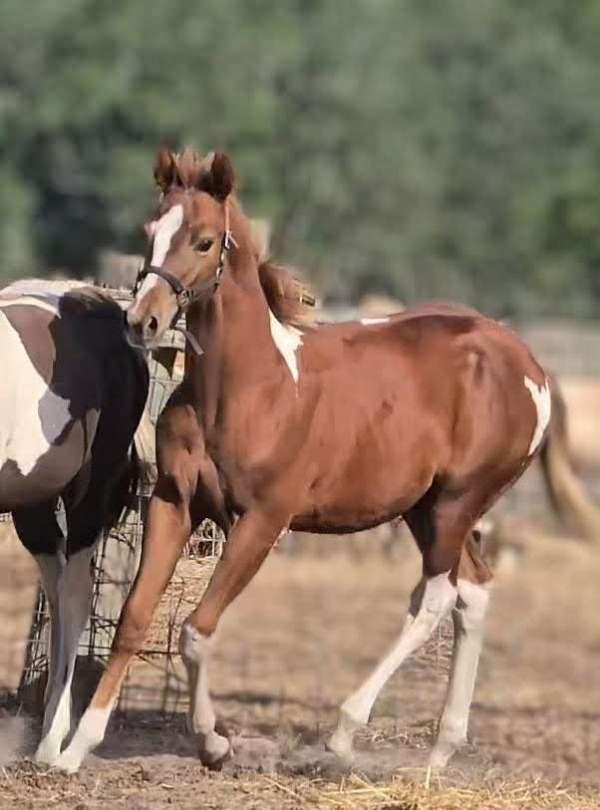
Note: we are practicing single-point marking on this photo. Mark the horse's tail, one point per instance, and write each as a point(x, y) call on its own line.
point(124, 493)
point(566, 491)
point(126, 489)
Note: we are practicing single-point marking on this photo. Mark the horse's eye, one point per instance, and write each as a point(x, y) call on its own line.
point(204, 245)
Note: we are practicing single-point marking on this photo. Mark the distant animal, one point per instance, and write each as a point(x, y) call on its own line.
point(430, 414)
point(72, 391)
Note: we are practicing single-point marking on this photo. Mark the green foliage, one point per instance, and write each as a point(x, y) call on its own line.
point(421, 148)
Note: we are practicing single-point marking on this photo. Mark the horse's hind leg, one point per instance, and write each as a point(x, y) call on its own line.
point(440, 528)
point(67, 584)
point(469, 615)
point(431, 600)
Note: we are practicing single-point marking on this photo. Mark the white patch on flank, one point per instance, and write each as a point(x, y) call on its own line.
point(288, 341)
point(23, 438)
point(164, 229)
point(540, 395)
point(372, 321)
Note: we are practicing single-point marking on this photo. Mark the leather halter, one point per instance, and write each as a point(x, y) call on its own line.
point(184, 295)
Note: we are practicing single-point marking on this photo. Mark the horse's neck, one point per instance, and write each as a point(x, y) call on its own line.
point(233, 329)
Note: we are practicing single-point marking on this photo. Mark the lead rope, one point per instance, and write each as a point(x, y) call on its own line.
point(190, 339)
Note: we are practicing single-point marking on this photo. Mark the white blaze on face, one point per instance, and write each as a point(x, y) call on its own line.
point(288, 341)
point(164, 229)
point(540, 395)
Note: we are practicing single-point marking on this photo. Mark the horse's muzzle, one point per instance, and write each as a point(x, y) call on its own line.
point(142, 330)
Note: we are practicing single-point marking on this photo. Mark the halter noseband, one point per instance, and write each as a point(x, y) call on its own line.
point(183, 295)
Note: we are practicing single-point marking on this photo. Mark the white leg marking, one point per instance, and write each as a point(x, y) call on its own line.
point(90, 733)
point(468, 637)
point(373, 321)
point(288, 340)
point(540, 395)
point(195, 651)
point(437, 598)
point(50, 566)
point(74, 595)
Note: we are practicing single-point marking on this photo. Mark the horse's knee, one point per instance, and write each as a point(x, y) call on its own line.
point(132, 629)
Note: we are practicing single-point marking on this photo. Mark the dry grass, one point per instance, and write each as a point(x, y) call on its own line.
point(299, 641)
point(30, 787)
point(358, 794)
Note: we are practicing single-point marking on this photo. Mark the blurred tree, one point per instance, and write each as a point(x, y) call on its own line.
point(422, 149)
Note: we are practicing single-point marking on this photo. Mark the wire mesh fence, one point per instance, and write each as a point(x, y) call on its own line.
point(156, 683)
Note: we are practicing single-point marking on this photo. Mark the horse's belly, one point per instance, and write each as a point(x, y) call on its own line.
point(364, 495)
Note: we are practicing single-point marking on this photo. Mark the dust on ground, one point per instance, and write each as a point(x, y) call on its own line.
point(302, 637)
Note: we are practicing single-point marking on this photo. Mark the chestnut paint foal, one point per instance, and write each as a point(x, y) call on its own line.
point(430, 414)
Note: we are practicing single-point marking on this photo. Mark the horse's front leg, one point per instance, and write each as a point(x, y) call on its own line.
point(247, 546)
point(166, 531)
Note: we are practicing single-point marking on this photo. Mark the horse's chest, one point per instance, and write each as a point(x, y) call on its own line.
point(32, 417)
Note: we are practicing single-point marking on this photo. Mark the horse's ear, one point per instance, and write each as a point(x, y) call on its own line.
point(220, 177)
point(164, 169)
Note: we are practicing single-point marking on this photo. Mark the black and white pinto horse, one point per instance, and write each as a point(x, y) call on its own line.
point(72, 392)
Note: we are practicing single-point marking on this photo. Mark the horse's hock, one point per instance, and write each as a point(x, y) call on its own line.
point(157, 681)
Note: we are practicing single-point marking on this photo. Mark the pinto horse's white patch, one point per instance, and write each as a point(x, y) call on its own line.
point(24, 397)
point(288, 341)
point(38, 292)
point(372, 321)
point(540, 395)
point(163, 229)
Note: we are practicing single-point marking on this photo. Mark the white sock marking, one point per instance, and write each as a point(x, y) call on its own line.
point(50, 566)
point(74, 590)
point(540, 395)
point(288, 340)
point(468, 639)
point(438, 597)
point(90, 733)
point(195, 651)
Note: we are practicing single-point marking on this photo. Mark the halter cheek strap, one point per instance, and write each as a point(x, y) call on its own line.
point(184, 295)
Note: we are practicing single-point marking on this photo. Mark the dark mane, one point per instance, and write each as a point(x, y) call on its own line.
point(90, 301)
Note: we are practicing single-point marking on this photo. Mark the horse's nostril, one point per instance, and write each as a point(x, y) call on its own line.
point(152, 325)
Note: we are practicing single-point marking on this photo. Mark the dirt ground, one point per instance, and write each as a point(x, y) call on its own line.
point(303, 636)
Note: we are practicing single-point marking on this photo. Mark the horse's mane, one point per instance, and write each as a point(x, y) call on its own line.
point(289, 298)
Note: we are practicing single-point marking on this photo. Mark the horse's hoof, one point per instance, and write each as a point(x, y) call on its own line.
point(46, 755)
point(215, 752)
point(341, 741)
point(67, 763)
point(441, 753)
point(341, 746)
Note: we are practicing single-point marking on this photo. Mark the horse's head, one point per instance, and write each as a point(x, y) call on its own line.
point(187, 241)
